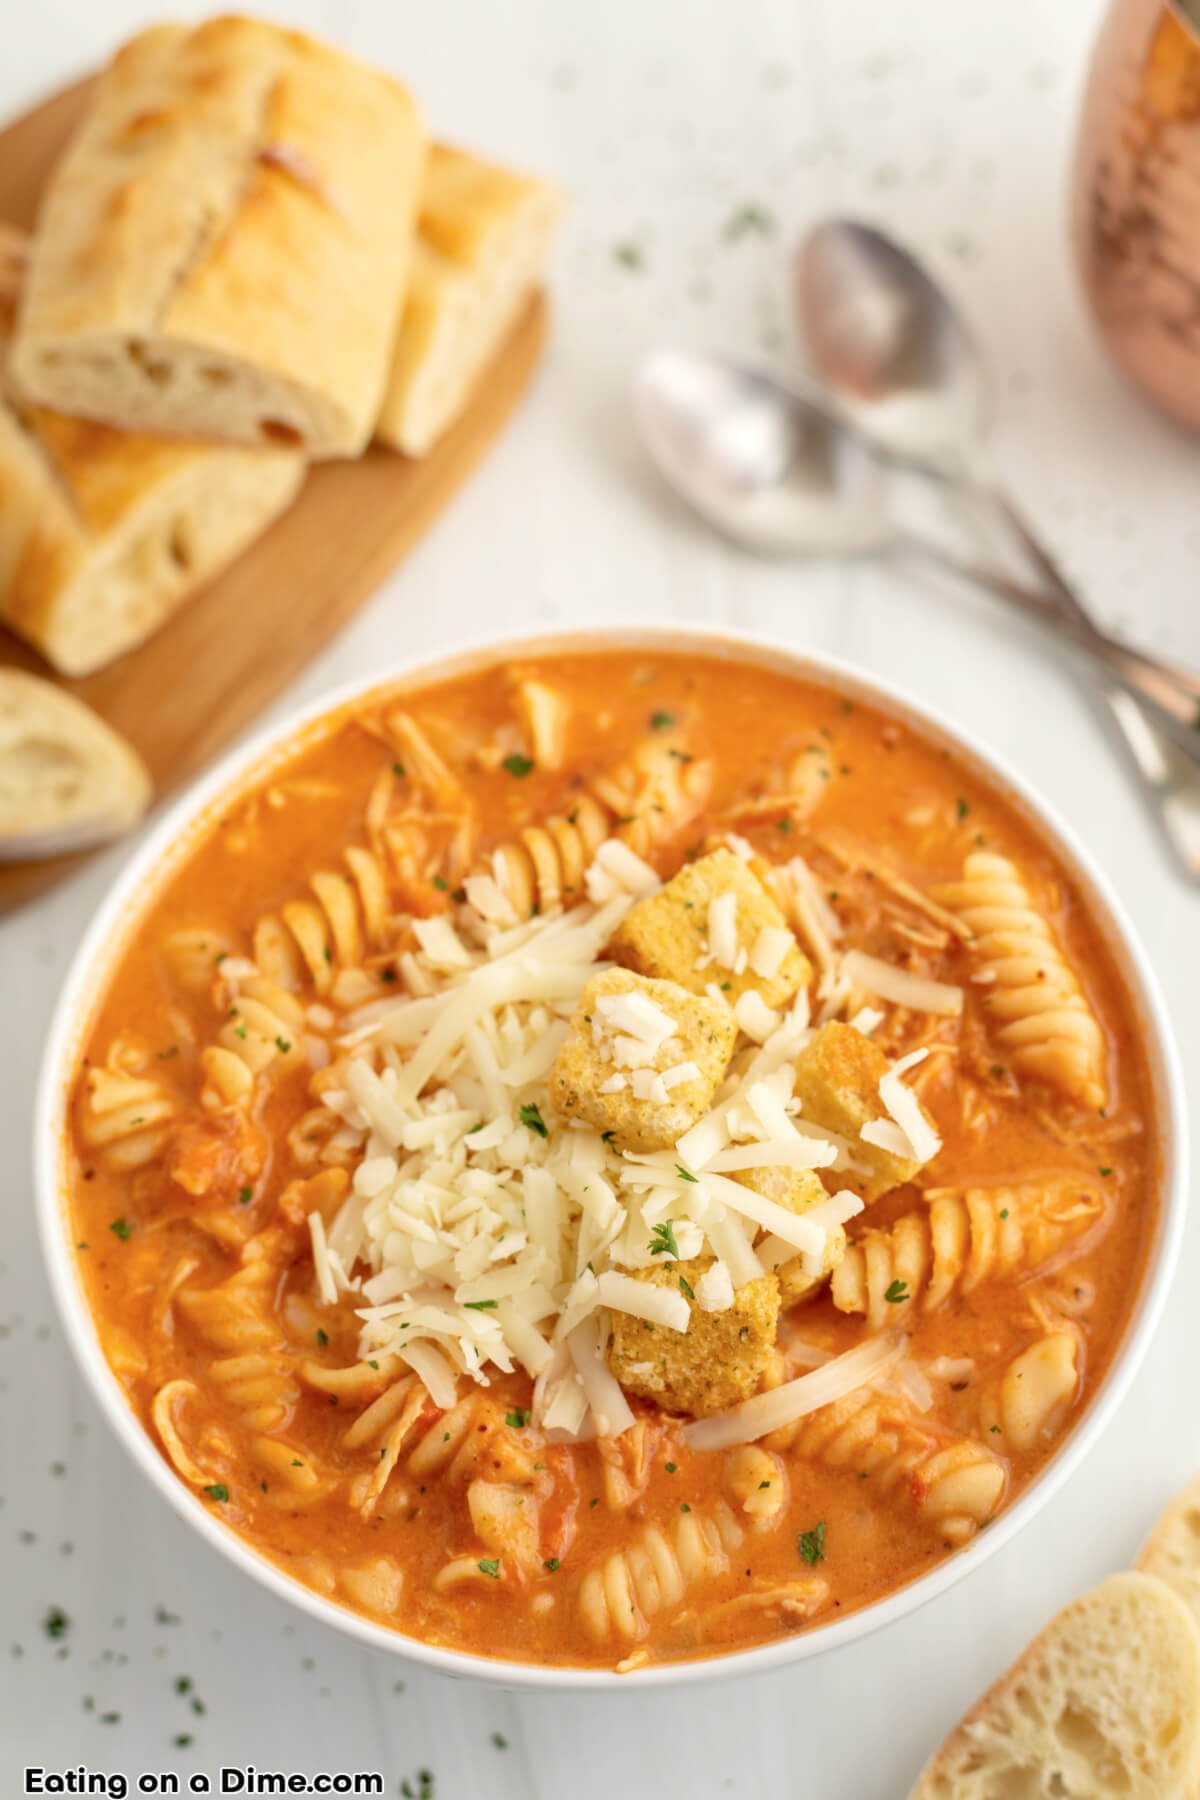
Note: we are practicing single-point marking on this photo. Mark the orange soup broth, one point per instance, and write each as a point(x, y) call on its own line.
point(909, 802)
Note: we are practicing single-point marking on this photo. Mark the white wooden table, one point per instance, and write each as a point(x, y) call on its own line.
point(664, 118)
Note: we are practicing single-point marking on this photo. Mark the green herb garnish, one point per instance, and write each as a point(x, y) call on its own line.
point(662, 1240)
point(531, 1117)
point(811, 1544)
point(517, 765)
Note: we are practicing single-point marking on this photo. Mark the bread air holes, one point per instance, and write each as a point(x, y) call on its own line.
point(179, 545)
point(152, 368)
point(274, 431)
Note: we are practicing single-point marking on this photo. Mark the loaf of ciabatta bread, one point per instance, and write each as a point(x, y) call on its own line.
point(484, 236)
point(224, 248)
point(104, 533)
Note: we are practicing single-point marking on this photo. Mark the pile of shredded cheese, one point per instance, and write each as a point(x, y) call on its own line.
point(485, 1232)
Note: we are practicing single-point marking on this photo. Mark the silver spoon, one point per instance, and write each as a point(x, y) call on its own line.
point(892, 350)
point(781, 474)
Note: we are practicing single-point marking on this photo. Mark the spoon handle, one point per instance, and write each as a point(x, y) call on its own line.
point(1164, 750)
point(1163, 765)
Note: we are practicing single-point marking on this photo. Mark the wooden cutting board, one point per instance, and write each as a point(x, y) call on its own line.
point(238, 642)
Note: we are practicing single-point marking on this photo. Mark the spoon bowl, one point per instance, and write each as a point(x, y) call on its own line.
point(765, 466)
point(886, 340)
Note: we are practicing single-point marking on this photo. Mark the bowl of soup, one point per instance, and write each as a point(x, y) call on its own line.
point(610, 1156)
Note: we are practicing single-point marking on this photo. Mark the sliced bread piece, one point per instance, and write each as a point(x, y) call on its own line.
point(484, 235)
point(223, 250)
point(1105, 1702)
point(1172, 1551)
point(103, 533)
point(67, 780)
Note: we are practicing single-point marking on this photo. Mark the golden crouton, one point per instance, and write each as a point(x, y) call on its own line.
point(668, 934)
point(799, 1190)
point(837, 1081)
point(600, 1067)
point(719, 1360)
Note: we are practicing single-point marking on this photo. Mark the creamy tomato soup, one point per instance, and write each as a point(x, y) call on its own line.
point(612, 1159)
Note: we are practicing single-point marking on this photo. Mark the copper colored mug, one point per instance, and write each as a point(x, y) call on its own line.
point(1136, 198)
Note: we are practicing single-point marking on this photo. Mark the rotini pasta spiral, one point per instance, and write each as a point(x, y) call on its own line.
point(619, 1595)
point(124, 1113)
point(955, 1241)
point(1043, 1021)
point(546, 864)
point(756, 1479)
point(1028, 1403)
point(256, 1374)
point(953, 1483)
point(311, 940)
point(262, 1028)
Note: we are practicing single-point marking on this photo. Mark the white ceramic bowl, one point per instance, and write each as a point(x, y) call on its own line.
point(171, 839)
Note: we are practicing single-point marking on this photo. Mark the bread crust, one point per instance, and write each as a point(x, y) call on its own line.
point(103, 533)
point(224, 248)
point(1172, 1551)
point(484, 235)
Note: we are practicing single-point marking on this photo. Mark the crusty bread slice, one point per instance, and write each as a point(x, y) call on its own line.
point(67, 780)
point(223, 250)
point(484, 235)
point(103, 533)
point(1105, 1702)
point(1172, 1551)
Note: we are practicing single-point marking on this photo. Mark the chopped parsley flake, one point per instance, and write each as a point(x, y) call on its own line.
point(398, 768)
point(480, 1305)
point(518, 1418)
point(750, 220)
point(56, 1624)
point(661, 721)
point(811, 1544)
point(552, 1563)
point(662, 1240)
point(245, 1197)
point(683, 1173)
point(490, 1566)
point(896, 1292)
point(686, 1289)
point(961, 807)
point(530, 1116)
point(518, 765)
point(670, 1468)
point(122, 1228)
point(1105, 1172)
point(218, 1491)
point(322, 1337)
